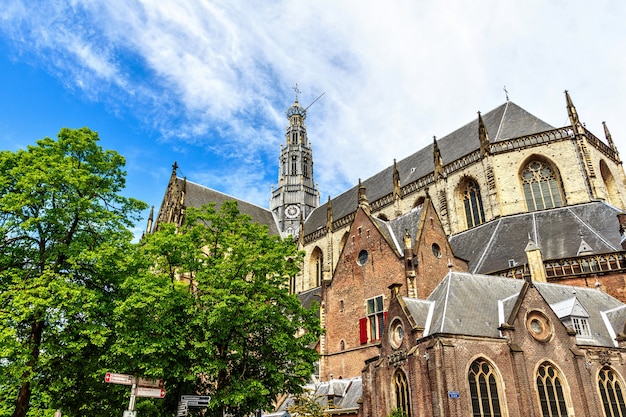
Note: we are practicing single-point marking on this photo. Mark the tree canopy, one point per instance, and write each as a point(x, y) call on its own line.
point(60, 211)
point(223, 323)
point(204, 306)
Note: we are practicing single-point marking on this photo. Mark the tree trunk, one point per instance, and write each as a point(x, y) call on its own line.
point(23, 397)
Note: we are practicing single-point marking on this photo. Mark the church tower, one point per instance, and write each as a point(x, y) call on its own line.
point(296, 195)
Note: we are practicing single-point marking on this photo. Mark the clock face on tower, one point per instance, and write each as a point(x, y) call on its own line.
point(292, 211)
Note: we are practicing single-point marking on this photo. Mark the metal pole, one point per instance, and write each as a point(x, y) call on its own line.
point(133, 390)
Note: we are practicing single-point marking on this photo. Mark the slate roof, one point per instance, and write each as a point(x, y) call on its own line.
point(393, 230)
point(196, 195)
point(454, 307)
point(504, 122)
point(307, 298)
point(347, 392)
point(557, 232)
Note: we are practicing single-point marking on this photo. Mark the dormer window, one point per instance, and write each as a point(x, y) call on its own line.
point(581, 326)
point(572, 314)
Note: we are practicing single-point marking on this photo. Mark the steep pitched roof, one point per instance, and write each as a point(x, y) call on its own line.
point(347, 392)
point(454, 308)
point(504, 122)
point(558, 233)
point(197, 195)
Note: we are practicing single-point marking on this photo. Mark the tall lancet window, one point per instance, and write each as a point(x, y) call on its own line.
point(473, 204)
point(541, 185)
point(551, 392)
point(612, 393)
point(305, 167)
point(483, 382)
point(401, 386)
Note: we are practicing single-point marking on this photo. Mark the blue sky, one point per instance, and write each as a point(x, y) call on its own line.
point(206, 83)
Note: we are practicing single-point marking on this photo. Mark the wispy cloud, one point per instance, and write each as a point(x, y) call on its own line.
point(217, 75)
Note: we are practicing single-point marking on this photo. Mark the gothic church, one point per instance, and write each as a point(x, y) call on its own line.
point(493, 221)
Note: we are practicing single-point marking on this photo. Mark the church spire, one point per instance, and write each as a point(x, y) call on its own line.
point(296, 194)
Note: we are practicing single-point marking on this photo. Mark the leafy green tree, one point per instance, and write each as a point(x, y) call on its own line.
point(63, 228)
point(216, 318)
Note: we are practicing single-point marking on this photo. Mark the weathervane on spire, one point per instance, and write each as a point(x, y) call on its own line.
point(506, 93)
point(297, 91)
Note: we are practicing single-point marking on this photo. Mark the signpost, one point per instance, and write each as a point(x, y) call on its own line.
point(122, 379)
point(196, 400)
point(139, 387)
point(150, 392)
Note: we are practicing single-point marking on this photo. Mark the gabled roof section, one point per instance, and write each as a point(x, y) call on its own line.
point(197, 195)
point(557, 232)
point(394, 230)
point(568, 308)
point(596, 303)
point(504, 122)
point(476, 305)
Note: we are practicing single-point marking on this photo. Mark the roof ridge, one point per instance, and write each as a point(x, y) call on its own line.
point(506, 106)
point(487, 246)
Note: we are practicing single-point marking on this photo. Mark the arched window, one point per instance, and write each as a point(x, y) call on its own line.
point(612, 393)
point(542, 189)
point(472, 203)
point(401, 388)
point(316, 267)
point(344, 240)
point(551, 392)
point(483, 383)
point(610, 185)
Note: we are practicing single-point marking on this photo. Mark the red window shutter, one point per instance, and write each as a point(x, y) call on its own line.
point(363, 329)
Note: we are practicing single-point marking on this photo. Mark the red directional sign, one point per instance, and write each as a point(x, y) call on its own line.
point(150, 392)
point(122, 379)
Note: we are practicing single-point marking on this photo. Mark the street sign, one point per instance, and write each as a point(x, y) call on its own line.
point(182, 409)
point(122, 379)
point(150, 392)
point(129, 413)
point(454, 394)
point(196, 400)
point(150, 383)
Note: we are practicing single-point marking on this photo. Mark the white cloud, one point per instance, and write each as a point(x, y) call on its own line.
point(394, 73)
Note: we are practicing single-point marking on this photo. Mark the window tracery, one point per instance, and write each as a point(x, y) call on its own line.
point(612, 393)
point(473, 203)
point(551, 392)
point(483, 382)
point(542, 189)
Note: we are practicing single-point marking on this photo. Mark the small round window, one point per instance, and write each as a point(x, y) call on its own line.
point(362, 257)
point(539, 326)
point(436, 250)
point(397, 334)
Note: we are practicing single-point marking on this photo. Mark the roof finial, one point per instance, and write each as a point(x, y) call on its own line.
point(506, 93)
point(297, 91)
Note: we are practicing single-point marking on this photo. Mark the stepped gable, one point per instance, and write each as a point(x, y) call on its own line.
point(197, 195)
point(504, 122)
point(456, 311)
point(557, 232)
